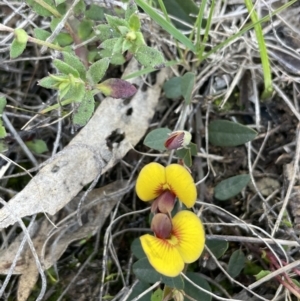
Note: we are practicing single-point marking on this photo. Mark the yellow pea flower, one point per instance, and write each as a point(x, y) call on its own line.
point(184, 244)
point(154, 179)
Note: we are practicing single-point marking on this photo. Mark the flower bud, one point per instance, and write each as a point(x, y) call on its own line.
point(161, 225)
point(178, 295)
point(164, 203)
point(178, 139)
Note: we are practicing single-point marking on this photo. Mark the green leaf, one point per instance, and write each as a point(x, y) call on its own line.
point(262, 274)
point(118, 46)
point(172, 87)
point(3, 133)
point(116, 59)
point(157, 295)
point(134, 22)
point(40, 10)
point(150, 57)
point(137, 250)
point(145, 272)
point(3, 147)
point(193, 148)
point(95, 12)
point(217, 247)
point(84, 111)
point(75, 62)
point(85, 28)
point(131, 9)
point(115, 22)
point(139, 289)
point(227, 133)
point(183, 10)
point(21, 36)
point(236, 263)
point(75, 92)
point(166, 25)
point(156, 138)
point(187, 85)
point(65, 68)
point(58, 2)
point(64, 39)
point(41, 34)
point(174, 282)
point(19, 43)
point(97, 71)
point(194, 292)
point(3, 103)
point(230, 187)
point(185, 155)
point(105, 32)
point(109, 44)
point(79, 8)
point(38, 146)
point(49, 82)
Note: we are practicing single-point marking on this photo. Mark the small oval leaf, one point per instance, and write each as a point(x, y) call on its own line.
point(192, 292)
point(156, 138)
point(187, 86)
point(150, 57)
point(97, 71)
point(236, 263)
point(230, 187)
point(37, 145)
point(172, 87)
point(227, 133)
point(137, 250)
point(139, 289)
point(217, 247)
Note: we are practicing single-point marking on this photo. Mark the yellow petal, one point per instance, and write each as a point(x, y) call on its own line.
point(189, 231)
point(182, 184)
point(150, 181)
point(163, 256)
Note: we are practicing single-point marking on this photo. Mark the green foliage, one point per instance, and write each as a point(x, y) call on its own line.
point(121, 35)
point(157, 295)
point(84, 111)
point(41, 34)
point(262, 274)
point(217, 247)
point(156, 139)
point(236, 263)
point(180, 86)
point(186, 155)
point(149, 57)
point(95, 13)
point(172, 87)
point(145, 272)
point(182, 10)
point(187, 85)
point(174, 32)
point(192, 291)
point(139, 289)
point(3, 133)
point(41, 10)
point(97, 71)
point(19, 43)
point(137, 250)
point(37, 145)
point(227, 133)
point(230, 187)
